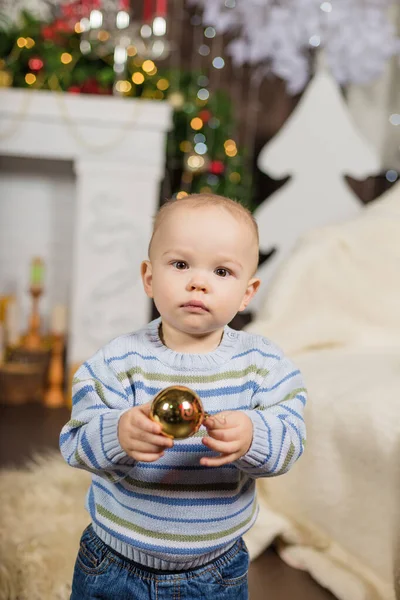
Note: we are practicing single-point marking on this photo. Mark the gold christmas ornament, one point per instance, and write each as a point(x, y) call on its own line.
point(179, 410)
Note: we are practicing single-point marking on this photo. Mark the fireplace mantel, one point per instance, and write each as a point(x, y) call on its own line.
point(117, 146)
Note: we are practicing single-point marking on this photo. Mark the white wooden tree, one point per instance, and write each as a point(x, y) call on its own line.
point(317, 147)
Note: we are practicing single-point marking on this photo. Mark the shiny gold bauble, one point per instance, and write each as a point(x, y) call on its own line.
point(179, 411)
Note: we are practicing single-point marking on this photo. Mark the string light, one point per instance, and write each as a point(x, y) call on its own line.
point(163, 84)
point(159, 26)
point(218, 62)
point(199, 137)
point(66, 58)
point(203, 94)
point(145, 31)
point(122, 19)
point(30, 42)
point(120, 55)
point(21, 42)
point(200, 148)
point(5, 79)
point(196, 123)
point(176, 100)
point(315, 41)
point(394, 119)
point(85, 47)
point(123, 86)
point(103, 35)
point(148, 66)
point(30, 78)
point(210, 32)
point(85, 24)
point(96, 19)
point(214, 123)
point(230, 148)
point(235, 177)
point(195, 162)
point(392, 175)
point(185, 146)
point(137, 78)
point(326, 7)
point(158, 48)
point(131, 50)
point(212, 179)
point(204, 50)
point(181, 195)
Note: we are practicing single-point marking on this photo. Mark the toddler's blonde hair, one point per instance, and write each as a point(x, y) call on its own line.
point(198, 200)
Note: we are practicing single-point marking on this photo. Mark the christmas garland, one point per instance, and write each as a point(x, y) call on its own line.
point(202, 154)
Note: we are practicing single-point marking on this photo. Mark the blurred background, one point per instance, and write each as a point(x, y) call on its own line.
point(110, 107)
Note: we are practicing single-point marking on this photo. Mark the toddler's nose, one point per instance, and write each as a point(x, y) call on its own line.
point(197, 284)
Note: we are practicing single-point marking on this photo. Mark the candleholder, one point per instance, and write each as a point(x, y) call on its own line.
point(33, 340)
point(54, 396)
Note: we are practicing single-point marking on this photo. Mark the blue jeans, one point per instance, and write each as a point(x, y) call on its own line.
point(102, 574)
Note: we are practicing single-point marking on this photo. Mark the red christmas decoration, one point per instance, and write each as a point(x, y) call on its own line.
point(56, 30)
point(217, 167)
point(205, 115)
point(74, 11)
point(35, 63)
point(91, 86)
point(74, 89)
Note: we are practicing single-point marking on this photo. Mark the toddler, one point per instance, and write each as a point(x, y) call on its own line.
point(168, 516)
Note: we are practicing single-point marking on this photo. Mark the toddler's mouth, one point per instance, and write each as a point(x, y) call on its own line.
point(195, 306)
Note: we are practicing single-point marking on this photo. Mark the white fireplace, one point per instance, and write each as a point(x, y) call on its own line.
point(116, 149)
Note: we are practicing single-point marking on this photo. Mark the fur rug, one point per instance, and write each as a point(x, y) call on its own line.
point(42, 518)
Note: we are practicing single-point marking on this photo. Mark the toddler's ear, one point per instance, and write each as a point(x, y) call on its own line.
point(147, 277)
point(251, 290)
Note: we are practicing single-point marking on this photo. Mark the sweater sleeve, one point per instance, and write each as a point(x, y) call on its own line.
point(279, 432)
point(90, 438)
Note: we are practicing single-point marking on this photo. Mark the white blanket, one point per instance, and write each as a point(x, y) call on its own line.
point(335, 309)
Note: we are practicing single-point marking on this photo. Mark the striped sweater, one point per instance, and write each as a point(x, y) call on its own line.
point(174, 513)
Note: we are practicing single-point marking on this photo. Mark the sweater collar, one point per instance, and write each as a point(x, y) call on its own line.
point(189, 361)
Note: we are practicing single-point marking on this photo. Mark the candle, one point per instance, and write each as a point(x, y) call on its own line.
point(147, 10)
point(37, 272)
point(2, 343)
point(161, 8)
point(59, 320)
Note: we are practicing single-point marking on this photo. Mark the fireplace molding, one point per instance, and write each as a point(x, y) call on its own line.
point(117, 146)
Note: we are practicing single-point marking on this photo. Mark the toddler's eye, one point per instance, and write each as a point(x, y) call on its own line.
point(180, 265)
point(221, 272)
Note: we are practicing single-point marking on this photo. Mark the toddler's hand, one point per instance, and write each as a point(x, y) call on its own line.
point(141, 437)
point(231, 434)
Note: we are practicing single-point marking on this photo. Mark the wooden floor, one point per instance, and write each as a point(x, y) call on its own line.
point(31, 428)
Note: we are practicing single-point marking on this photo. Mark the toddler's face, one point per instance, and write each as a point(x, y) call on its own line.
point(200, 270)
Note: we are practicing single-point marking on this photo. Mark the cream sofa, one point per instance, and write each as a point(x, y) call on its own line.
point(335, 309)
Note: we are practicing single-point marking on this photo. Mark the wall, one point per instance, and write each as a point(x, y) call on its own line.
point(37, 206)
